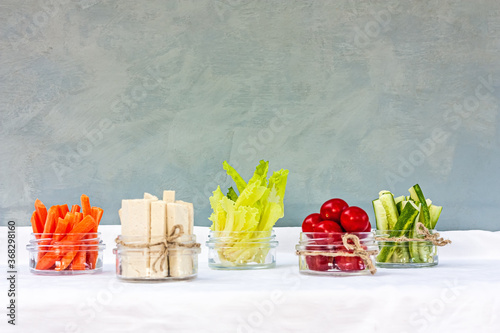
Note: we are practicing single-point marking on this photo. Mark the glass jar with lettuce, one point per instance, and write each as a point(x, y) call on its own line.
point(242, 235)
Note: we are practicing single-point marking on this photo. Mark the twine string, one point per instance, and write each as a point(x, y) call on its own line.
point(421, 231)
point(168, 243)
point(354, 246)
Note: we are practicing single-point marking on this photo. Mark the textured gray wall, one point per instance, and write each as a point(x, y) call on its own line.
point(114, 98)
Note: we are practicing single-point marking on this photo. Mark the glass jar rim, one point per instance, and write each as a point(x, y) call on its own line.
point(377, 231)
point(185, 238)
point(258, 232)
point(49, 247)
point(38, 236)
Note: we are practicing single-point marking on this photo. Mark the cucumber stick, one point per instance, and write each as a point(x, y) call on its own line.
point(434, 212)
point(391, 211)
point(380, 215)
point(404, 223)
point(417, 195)
point(399, 203)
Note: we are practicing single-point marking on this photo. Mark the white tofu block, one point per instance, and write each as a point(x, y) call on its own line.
point(169, 196)
point(158, 233)
point(190, 208)
point(150, 196)
point(179, 265)
point(158, 219)
point(136, 221)
point(136, 215)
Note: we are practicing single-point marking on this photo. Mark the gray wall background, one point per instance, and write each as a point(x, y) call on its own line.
point(114, 98)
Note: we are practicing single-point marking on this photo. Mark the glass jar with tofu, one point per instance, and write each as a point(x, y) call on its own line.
point(242, 249)
point(157, 241)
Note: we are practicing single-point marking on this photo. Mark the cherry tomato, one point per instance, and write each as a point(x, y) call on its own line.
point(349, 263)
point(368, 228)
point(328, 227)
point(328, 232)
point(310, 221)
point(354, 219)
point(319, 263)
point(332, 209)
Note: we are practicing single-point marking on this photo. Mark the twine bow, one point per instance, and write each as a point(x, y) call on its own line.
point(167, 243)
point(421, 231)
point(354, 246)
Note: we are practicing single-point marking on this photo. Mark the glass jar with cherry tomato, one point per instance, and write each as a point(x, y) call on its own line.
point(320, 253)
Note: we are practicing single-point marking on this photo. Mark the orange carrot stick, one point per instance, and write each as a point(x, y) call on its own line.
point(48, 230)
point(41, 212)
point(78, 263)
point(50, 224)
point(35, 224)
point(63, 210)
point(77, 233)
point(75, 209)
point(97, 213)
point(86, 208)
point(78, 217)
point(71, 217)
point(67, 259)
point(62, 226)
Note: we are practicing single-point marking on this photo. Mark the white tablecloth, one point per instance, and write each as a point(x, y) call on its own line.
point(461, 294)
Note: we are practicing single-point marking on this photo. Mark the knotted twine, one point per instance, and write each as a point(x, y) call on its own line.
point(167, 243)
point(421, 230)
point(355, 247)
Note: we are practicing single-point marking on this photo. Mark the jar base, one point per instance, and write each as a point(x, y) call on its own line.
point(65, 272)
point(335, 273)
point(155, 280)
point(219, 266)
point(405, 265)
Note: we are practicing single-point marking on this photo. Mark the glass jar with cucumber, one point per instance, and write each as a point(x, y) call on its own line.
point(400, 223)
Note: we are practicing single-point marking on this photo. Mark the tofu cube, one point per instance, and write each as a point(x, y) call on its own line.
point(180, 264)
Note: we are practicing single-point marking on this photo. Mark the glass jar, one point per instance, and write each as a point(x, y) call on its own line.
point(405, 254)
point(140, 262)
point(65, 254)
point(242, 249)
point(313, 245)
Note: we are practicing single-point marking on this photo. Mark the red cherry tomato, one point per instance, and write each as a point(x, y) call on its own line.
point(349, 263)
point(328, 227)
point(328, 232)
point(368, 228)
point(332, 209)
point(310, 221)
point(354, 219)
point(319, 263)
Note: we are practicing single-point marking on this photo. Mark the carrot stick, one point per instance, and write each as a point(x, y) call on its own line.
point(78, 263)
point(92, 255)
point(48, 230)
point(41, 212)
point(84, 226)
point(36, 225)
point(71, 217)
point(63, 210)
point(75, 209)
point(86, 208)
point(67, 259)
point(75, 235)
point(62, 226)
point(78, 217)
point(50, 224)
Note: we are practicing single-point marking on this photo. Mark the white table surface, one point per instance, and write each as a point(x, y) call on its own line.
point(461, 294)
